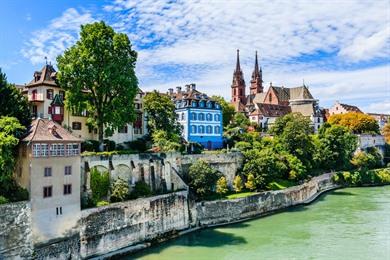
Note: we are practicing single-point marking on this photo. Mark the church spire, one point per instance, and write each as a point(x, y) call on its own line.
point(238, 68)
point(257, 79)
point(238, 84)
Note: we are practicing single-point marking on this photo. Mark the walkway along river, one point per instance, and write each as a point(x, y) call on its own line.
point(351, 223)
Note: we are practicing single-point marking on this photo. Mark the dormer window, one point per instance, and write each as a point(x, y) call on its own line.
point(202, 104)
point(193, 103)
point(209, 105)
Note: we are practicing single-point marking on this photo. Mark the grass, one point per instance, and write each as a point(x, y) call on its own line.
point(280, 184)
point(239, 195)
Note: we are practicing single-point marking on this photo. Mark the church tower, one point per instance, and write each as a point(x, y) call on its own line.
point(257, 79)
point(238, 84)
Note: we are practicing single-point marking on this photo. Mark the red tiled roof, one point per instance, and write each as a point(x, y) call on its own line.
point(271, 110)
point(42, 130)
point(47, 76)
point(351, 108)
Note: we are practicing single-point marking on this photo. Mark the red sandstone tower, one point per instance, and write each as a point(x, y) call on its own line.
point(257, 79)
point(238, 84)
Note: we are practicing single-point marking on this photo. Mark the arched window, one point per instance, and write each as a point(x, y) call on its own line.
point(234, 92)
point(209, 117)
point(217, 130)
point(194, 116)
point(201, 129)
point(193, 129)
point(216, 118)
point(193, 103)
point(201, 117)
point(182, 116)
point(209, 105)
point(209, 129)
point(202, 104)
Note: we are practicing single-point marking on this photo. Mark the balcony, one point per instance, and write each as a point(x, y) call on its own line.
point(35, 97)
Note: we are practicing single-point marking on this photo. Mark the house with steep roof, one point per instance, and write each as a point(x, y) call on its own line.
point(340, 108)
point(199, 115)
point(48, 167)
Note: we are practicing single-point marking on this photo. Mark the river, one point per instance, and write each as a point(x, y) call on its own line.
point(352, 223)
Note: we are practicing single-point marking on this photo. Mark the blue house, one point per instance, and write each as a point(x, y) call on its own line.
point(200, 116)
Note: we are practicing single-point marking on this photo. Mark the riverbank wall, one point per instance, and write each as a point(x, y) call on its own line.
point(133, 225)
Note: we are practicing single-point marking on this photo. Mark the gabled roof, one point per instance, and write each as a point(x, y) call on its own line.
point(271, 110)
point(300, 93)
point(47, 76)
point(350, 108)
point(57, 100)
point(282, 93)
point(41, 130)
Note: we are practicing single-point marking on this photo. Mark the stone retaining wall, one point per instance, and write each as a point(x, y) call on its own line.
point(227, 211)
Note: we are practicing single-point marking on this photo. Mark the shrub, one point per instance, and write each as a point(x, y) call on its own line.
point(202, 178)
point(120, 190)
point(250, 184)
point(141, 189)
point(238, 184)
point(109, 145)
point(222, 187)
point(102, 203)
point(138, 145)
point(383, 176)
point(100, 184)
point(3, 200)
point(90, 146)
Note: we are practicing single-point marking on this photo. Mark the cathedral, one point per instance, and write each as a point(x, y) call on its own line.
point(263, 107)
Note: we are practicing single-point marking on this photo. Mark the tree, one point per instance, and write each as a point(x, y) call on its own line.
point(363, 161)
point(358, 123)
point(222, 187)
point(228, 110)
point(250, 184)
point(160, 111)
point(386, 132)
point(335, 147)
point(13, 103)
point(120, 191)
point(164, 143)
point(100, 185)
point(10, 131)
point(202, 178)
point(238, 185)
point(292, 132)
point(98, 76)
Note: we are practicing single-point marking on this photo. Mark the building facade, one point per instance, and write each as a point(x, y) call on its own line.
point(382, 119)
point(339, 108)
point(199, 115)
point(47, 101)
point(49, 168)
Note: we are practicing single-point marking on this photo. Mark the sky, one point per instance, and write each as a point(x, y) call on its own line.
point(340, 49)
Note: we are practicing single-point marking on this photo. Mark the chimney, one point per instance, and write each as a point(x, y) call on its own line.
point(170, 91)
point(193, 86)
point(188, 87)
point(178, 89)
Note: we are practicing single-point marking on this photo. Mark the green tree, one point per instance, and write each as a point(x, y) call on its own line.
point(222, 187)
point(160, 111)
point(120, 190)
point(164, 143)
point(292, 132)
point(100, 184)
point(10, 130)
point(98, 76)
point(335, 147)
point(238, 185)
point(202, 178)
point(228, 110)
point(13, 103)
point(363, 161)
point(250, 183)
point(358, 123)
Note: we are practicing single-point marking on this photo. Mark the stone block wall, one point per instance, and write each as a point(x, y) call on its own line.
point(15, 231)
point(120, 225)
point(227, 211)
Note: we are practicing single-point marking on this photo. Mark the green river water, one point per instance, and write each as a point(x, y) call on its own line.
point(351, 223)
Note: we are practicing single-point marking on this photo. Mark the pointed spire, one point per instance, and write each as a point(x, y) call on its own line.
point(238, 68)
point(256, 72)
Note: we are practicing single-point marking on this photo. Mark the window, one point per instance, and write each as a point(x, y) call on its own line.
point(76, 126)
point(193, 116)
point(202, 104)
point(182, 116)
point(209, 129)
point(217, 130)
point(234, 92)
point(67, 189)
point(49, 110)
point(193, 103)
point(209, 104)
point(47, 171)
point(62, 94)
point(217, 106)
point(201, 117)
point(36, 150)
point(240, 92)
point(137, 130)
point(193, 129)
point(72, 149)
point(68, 170)
point(59, 211)
point(201, 129)
point(270, 98)
point(123, 130)
point(47, 191)
point(209, 117)
point(49, 94)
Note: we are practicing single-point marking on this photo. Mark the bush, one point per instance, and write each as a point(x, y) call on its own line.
point(120, 190)
point(90, 146)
point(202, 178)
point(238, 184)
point(367, 177)
point(100, 185)
point(222, 187)
point(141, 189)
point(109, 145)
point(383, 176)
point(138, 145)
point(102, 203)
point(3, 200)
point(250, 184)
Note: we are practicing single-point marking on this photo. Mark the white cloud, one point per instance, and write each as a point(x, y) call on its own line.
point(378, 107)
point(53, 40)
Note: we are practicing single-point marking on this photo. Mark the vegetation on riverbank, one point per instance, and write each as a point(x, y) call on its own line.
point(363, 177)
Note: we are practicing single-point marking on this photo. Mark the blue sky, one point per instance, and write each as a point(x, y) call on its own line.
point(340, 48)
